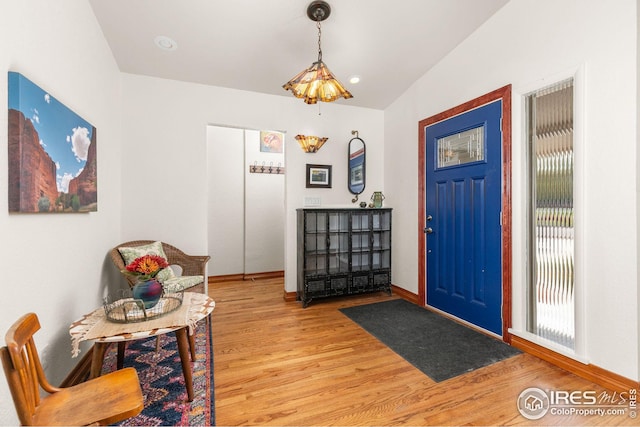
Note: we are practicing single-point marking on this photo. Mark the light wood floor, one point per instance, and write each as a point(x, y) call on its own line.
point(276, 363)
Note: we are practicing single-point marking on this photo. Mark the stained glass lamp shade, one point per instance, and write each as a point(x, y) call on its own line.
point(310, 144)
point(317, 83)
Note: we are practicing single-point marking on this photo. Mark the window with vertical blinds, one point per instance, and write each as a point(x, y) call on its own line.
point(551, 305)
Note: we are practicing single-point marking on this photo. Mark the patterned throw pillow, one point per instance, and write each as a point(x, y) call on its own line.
point(165, 274)
point(131, 253)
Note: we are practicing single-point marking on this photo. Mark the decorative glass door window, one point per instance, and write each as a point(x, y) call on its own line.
point(461, 148)
point(551, 301)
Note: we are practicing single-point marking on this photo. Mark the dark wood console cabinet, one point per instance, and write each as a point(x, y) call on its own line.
point(343, 252)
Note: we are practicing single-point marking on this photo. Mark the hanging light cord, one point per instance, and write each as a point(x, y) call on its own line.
point(318, 16)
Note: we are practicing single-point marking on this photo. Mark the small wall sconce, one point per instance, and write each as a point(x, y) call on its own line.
point(310, 144)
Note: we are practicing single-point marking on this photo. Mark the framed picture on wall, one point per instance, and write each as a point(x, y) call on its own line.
point(318, 176)
point(52, 153)
point(271, 142)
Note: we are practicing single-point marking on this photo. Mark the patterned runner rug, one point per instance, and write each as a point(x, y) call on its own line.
point(160, 373)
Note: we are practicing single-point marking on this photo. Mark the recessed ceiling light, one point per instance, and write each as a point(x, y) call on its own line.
point(165, 43)
point(354, 79)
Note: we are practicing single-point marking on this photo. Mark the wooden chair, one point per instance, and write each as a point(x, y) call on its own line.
point(192, 265)
point(102, 401)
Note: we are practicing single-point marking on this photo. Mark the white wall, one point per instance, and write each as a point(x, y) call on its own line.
point(55, 264)
point(264, 209)
point(525, 42)
point(164, 123)
point(225, 154)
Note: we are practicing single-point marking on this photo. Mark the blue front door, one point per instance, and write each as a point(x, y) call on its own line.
point(463, 207)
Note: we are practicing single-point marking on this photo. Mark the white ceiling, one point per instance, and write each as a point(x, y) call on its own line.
point(258, 45)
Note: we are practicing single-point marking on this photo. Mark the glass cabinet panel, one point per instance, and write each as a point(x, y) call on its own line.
point(339, 263)
point(310, 223)
point(360, 261)
point(381, 259)
point(360, 221)
point(338, 242)
point(359, 241)
point(316, 264)
point(338, 253)
point(381, 240)
point(339, 222)
point(316, 222)
point(381, 220)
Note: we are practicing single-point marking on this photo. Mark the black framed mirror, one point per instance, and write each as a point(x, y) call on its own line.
point(357, 165)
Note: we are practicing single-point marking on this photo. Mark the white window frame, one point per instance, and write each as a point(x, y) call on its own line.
point(520, 200)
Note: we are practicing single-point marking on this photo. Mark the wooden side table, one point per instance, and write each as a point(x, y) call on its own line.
point(195, 307)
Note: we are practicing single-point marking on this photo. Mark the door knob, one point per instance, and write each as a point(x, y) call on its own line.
point(428, 230)
point(429, 217)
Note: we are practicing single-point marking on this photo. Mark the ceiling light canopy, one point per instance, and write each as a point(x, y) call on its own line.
point(317, 83)
point(165, 43)
point(310, 144)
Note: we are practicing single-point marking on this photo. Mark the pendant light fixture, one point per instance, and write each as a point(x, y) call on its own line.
point(317, 83)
